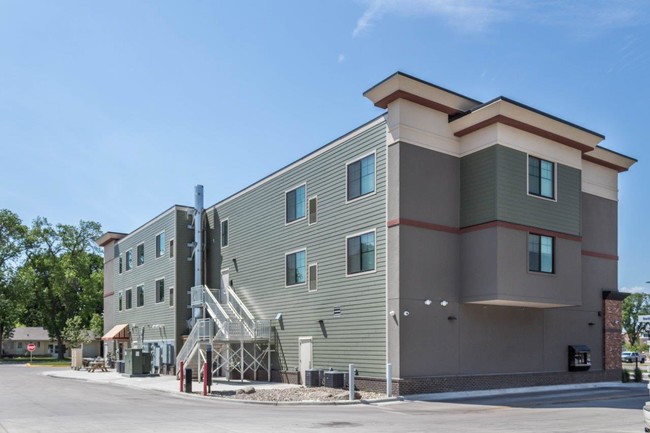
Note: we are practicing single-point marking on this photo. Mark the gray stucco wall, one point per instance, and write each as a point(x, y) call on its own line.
point(259, 240)
point(599, 224)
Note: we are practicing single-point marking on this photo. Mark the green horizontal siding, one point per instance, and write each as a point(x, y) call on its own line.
point(478, 187)
point(259, 239)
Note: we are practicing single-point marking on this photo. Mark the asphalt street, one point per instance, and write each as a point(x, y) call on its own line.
point(33, 402)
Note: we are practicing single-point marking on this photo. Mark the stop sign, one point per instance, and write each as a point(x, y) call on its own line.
point(31, 347)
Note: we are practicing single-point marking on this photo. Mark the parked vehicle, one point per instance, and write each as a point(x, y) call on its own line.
point(633, 357)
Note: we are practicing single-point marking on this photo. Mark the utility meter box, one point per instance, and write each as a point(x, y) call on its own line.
point(137, 362)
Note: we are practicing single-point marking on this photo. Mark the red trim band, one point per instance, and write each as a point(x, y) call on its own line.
point(108, 294)
point(422, 225)
point(599, 255)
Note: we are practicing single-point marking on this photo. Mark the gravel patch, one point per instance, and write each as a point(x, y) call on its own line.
point(296, 394)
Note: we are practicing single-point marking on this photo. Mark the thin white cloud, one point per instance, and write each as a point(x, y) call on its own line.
point(584, 18)
point(341, 58)
point(636, 289)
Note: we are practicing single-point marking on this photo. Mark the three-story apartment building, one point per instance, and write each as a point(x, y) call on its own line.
point(471, 245)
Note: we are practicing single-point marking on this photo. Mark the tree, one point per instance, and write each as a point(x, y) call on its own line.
point(634, 305)
point(12, 238)
point(63, 275)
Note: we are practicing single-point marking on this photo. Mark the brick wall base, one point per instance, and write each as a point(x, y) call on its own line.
point(437, 384)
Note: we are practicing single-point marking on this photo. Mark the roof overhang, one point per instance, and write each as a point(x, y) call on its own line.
point(118, 332)
point(519, 116)
point(403, 86)
point(108, 237)
point(609, 159)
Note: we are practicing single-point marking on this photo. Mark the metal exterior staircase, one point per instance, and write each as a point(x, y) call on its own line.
point(240, 343)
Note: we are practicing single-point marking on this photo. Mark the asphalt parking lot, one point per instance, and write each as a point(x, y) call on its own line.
point(33, 402)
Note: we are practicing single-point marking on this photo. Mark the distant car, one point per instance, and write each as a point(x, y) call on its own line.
point(632, 357)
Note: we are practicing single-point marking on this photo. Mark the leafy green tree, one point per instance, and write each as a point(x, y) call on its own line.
point(634, 305)
point(12, 238)
point(63, 275)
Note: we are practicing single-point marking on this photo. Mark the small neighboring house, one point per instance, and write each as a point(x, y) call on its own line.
point(17, 344)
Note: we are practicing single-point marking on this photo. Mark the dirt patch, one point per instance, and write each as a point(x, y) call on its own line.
point(298, 394)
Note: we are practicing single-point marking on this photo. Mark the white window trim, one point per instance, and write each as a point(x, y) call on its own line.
point(136, 254)
point(554, 199)
point(285, 268)
point(126, 290)
point(126, 260)
point(285, 204)
point(309, 280)
point(136, 296)
point(370, 194)
point(374, 270)
point(156, 245)
point(313, 197)
point(155, 285)
point(227, 220)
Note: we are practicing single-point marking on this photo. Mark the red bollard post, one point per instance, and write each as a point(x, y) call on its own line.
point(205, 379)
point(182, 371)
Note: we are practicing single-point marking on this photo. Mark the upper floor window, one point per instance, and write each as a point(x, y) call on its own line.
point(139, 296)
point(295, 204)
point(541, 177)
point(295, 268)
point(171, 249)
point(160, 290)
point(361, 253)
point(140, 255)
point(129, 260)
point(119, 301)
point(224, 233)
point(540, 253)
point(313, 210)
point(129, 300)
point(120, 265)
point(361, 177)
point(160, 244)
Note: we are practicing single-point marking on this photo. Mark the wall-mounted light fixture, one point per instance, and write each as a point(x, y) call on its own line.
point(428, 302)
point(391, 313)
point(444, 303)
point(406, 313)
point(452, 318)
point(278, 316)
point(591, 323)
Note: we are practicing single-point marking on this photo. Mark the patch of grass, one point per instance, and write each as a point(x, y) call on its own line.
point(41, 361)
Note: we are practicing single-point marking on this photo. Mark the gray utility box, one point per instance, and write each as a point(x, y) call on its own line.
point(312, 378)
point(334, 379)
point(137, 362)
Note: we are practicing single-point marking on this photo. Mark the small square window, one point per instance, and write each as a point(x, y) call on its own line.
point(541, 251)
point(129, 301)
point(140, 255)
point(295, 268)
point(361, 253)
point(171, 296)
point(224, 233)
point(361, 177)
point(295, 204)
point(160, 244)
point(160, 290)
point(129, 260)
point(139, 296)
point(171, 249)
point(313, 210)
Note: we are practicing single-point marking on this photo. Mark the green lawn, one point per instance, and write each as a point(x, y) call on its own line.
point(44, 362)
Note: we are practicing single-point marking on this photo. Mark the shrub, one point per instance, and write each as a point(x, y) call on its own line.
point(638, 375)
point(625, 376)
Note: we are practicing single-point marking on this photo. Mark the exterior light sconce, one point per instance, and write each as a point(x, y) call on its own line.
point(278, 316)
point(591, 323)
point(427, 302)
point(452, 318)
point(406, 313)
point(444, 303)
point(391, 313)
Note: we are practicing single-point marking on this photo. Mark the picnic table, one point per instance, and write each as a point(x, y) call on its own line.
point(97, 365)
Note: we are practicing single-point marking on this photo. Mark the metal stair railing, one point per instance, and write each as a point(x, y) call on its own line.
point(218, 314)
point(203, 330)
point(254, 328)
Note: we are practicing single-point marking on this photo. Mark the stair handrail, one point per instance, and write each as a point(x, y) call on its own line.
point(247, 318)
point(202, 331)
point(216, 310)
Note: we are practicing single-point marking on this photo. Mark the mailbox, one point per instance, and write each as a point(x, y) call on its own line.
point(579, 357)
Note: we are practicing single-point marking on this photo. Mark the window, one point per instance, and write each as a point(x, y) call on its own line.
point(361, 177)
point(140, 255)
point(361, 253)
point(171, 249)
point(295, 204)
point(129, 303)
point(139, 296)
point(20, 345)
point(129, 260)
point(171, 296)
point(119, 301)
point(295, 268)
point(160, 290)
point(541, 177)
point(313, 277)
point(160, 244)
point(540, 253)
point(120, 265)
point(313, 209)
point(224, 233)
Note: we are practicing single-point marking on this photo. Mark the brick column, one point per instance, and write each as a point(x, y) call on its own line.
point(612, 338)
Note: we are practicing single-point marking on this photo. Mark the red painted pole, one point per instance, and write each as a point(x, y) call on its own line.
point(205, 379)
point(182, 372)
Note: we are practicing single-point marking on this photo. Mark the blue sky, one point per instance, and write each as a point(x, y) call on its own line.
point(113, 111)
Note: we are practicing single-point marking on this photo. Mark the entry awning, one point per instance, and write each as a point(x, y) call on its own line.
point(118, 332)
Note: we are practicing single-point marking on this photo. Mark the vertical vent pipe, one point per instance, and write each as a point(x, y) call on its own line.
point(198, 235)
